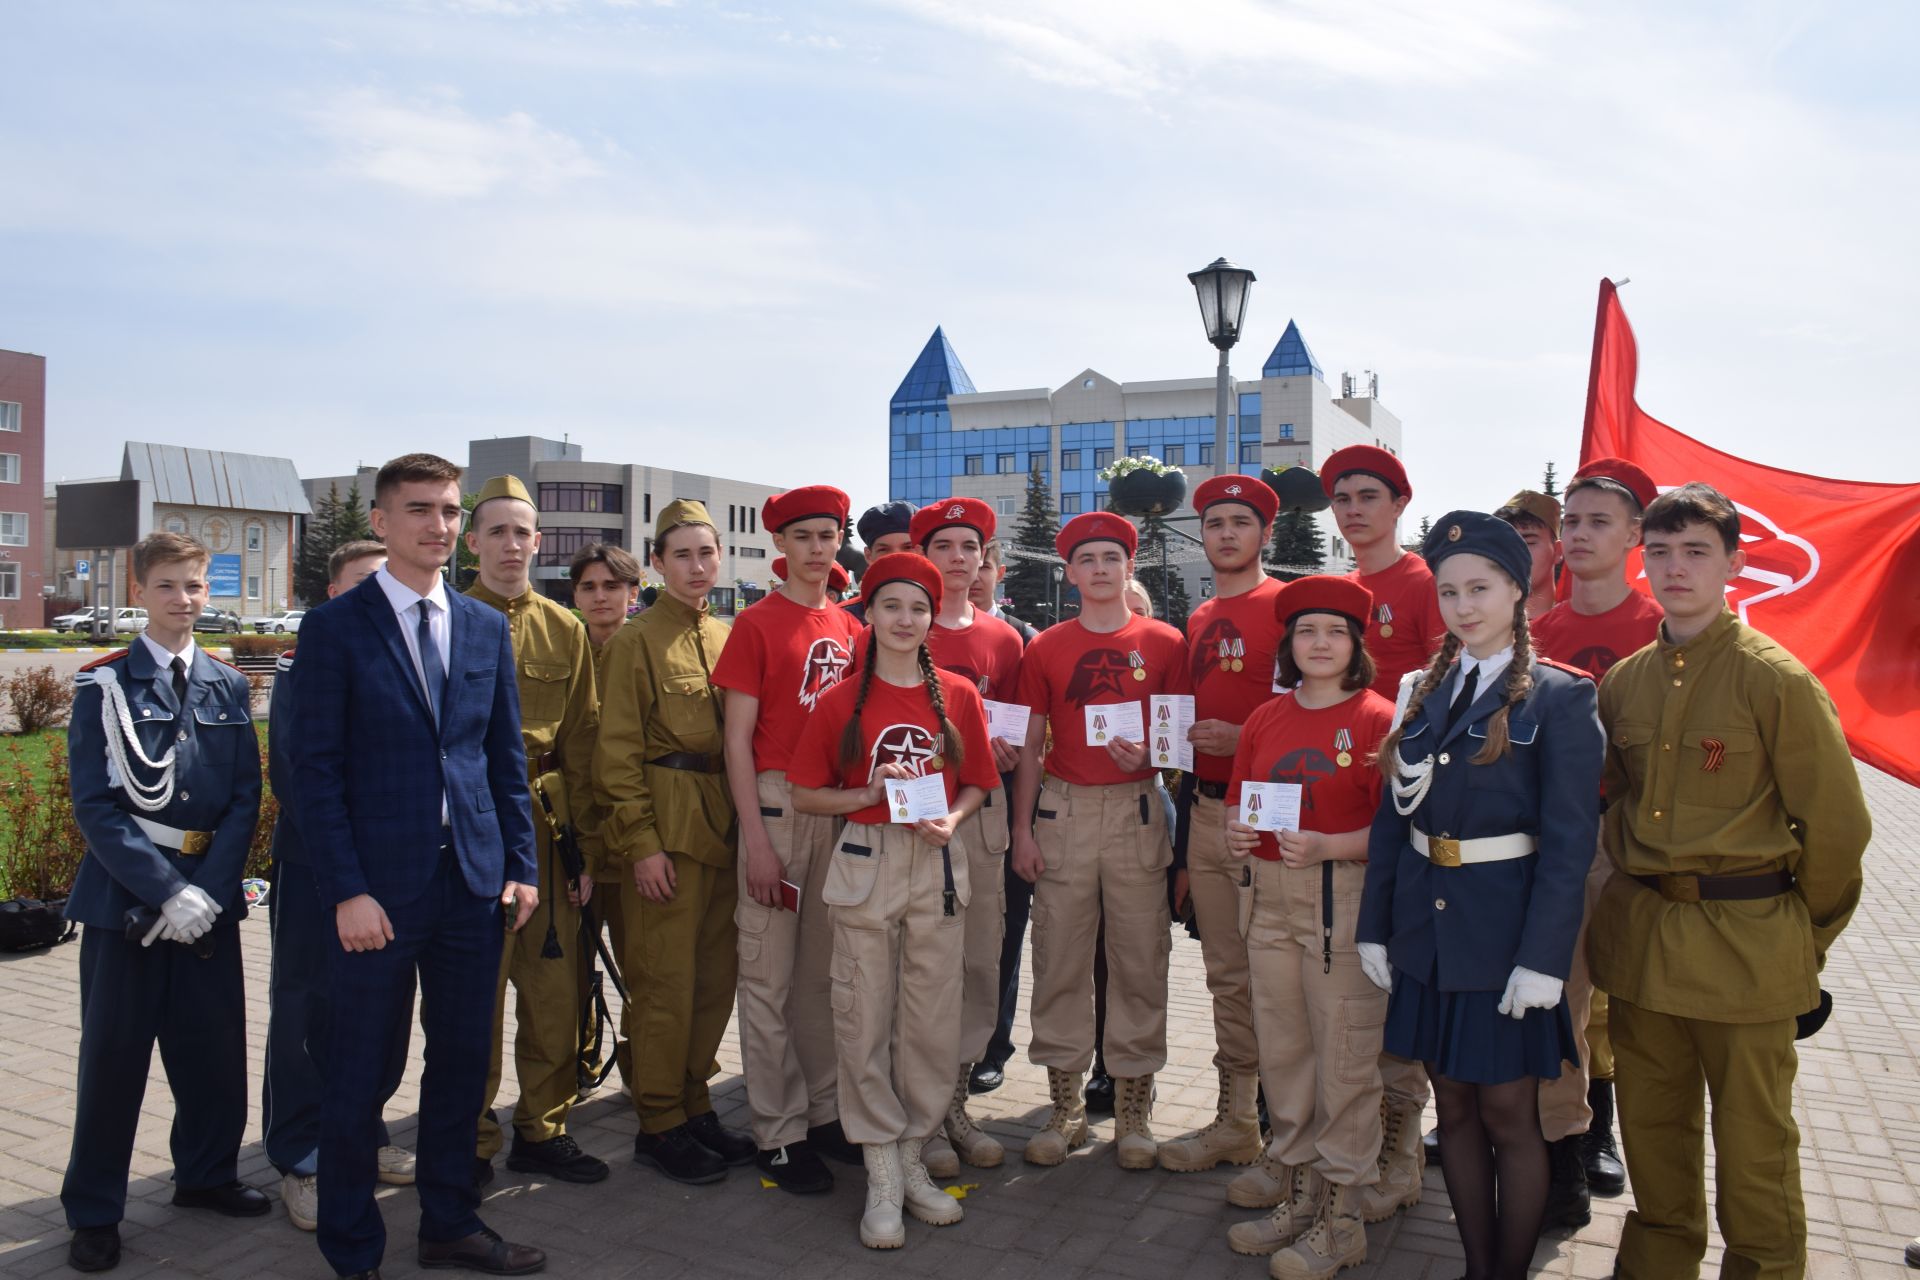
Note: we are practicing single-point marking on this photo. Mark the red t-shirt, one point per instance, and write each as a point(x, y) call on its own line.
point(986, 654)
point(1595, 641)
point(1068, 668)
point(897, 726)
point(787, 656)
point(1230, 647)
point(1406, 627)
point(1285, 742)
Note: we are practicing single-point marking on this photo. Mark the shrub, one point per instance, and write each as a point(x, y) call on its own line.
point(39, 698)
point(40, 844)
point(254, 645)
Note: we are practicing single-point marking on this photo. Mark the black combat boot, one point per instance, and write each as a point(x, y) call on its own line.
point(1569, 1206)
point(1606, 1176)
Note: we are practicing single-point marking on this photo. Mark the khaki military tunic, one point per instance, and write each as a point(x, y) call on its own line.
point(606, 910)
point(680, 957)
point(558, 721)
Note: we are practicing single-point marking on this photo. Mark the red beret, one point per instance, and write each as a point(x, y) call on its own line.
point(901, 566)
point(1621, 472)
point(814, 502)
point(837, 579)
point(1096, 526)
point(1245, 490)
point(970, 512)
point(1323, 593)
point(1372, 461)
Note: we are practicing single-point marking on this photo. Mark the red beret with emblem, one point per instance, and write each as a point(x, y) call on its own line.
point(1246, 490)
point(1621, 472)
point(1323, 593)
point(1096, 526)
point(901, 566)
point(813, 502)
point(1368, 460)
point(969, 512)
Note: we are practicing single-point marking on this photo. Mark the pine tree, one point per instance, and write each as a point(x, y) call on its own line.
point(1030, 581)
point(1166, 586)
point(354, 525)
point(1550, 486)
point(1297, 545)
point(316, 545)
point(1426, 527)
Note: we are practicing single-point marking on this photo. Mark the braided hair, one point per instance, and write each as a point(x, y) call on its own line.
point(955, 749)
point(851, 740)
point(1517, 684)
point(1389, 755)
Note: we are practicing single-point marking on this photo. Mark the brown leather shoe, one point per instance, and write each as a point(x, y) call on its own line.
point(484, 1250)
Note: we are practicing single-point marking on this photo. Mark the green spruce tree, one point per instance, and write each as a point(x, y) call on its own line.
point(354, 525)
point(1551, 485)
point(1029, 583)
point(1167, 587)
point(316, 545)
point(1426, 527)
point(1297, 547)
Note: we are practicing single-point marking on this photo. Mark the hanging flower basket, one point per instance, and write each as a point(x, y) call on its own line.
point(1144, 487)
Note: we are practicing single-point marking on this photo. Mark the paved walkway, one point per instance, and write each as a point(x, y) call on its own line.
point(1858, 1101)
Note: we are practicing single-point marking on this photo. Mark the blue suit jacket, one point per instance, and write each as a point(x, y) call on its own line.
point(371, 767)
point(1525, 911)
point(216, 787)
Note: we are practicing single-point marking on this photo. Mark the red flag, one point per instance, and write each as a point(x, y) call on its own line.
point(1833, 566)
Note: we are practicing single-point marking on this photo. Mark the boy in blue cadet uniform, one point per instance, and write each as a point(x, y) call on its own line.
point(166, 790)
point(302, 929)
point(1476, 873)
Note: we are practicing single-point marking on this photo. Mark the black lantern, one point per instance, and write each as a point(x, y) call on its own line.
point(1222, 289)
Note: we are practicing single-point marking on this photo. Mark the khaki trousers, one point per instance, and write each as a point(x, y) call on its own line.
point(1599, 1041)
point(1564, 1109)
point(1748, 1070)
point(1319, 1021)
point(1106, 852)
point(546, 1041)
point(984, 836)
point(1213, 880)
point(607, 913)
point(681, 962)
point(786, 1018)
point(898, 940)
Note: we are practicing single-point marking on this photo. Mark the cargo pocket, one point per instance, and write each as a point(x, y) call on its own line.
point(1365, 1020)
point(543, 693)
point(962, 874)
point(756, 961)
point(1152, 847)
point(851, 875)
point(1050, 832)
point(1349, 884)
point(1245, 888)
point(992, 818)
point(844, 972)
point(778, 821)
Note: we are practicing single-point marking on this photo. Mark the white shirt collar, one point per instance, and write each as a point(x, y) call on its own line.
point(403, 598)
point(1491, 667)
point(163, 659)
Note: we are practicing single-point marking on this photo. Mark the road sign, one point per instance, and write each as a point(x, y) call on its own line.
point(83, 568)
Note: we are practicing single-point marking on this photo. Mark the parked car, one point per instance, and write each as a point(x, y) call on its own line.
point(129, 619)
point(78, 620)
point(286, 622)
point(222, 620)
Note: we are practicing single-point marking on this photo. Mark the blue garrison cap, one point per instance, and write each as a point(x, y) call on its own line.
point(876, 523)
point(1483, 535)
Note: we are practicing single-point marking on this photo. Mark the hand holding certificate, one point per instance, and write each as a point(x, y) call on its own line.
point(1109, 720)
point(910, 800)
point(1007, 720)
point(1172, 717)
point(1270, 806)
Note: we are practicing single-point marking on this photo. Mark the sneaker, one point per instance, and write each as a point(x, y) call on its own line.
point(301, 1195)
point(830, 1140)
point(396, 1166)
point(796, 1168)
point(559, 1158)
point(680, 1155)
point(731, 1145)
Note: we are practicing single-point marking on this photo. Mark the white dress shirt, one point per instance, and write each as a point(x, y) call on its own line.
point(163, 659)
point(1491, 669)
point(406, 611)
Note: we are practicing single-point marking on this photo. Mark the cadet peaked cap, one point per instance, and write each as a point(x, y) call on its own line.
point(1096, 526)
point(837, 579)
point(503, 487)
point(1483, 535)
point(1531, 502)
point(876, 523)
point(901, 566)
point(1323, 593)
point(1638, 484)
point(678, 512)
point(1246, 490)
point(969, 513)
point(812, 502)
point(1367, 460)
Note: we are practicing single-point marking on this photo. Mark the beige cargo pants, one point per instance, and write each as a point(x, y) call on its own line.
point(984, 836)
point(1213, 881)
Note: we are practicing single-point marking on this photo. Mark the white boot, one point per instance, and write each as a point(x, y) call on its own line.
point(924, 1200)
point(881, 1227)
point(1066, 1128)
point(1132, 1131)
point(1234, 1135)
point(977, 1147)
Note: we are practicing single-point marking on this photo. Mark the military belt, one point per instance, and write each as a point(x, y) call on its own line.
point(189, 843)
point(1768, 884)
point(1445, 851)
point(1211, 790)
point(545, 762)
point(690, 761)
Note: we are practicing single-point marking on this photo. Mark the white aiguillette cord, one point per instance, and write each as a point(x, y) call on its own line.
point(116, 722)
point(1410, 791)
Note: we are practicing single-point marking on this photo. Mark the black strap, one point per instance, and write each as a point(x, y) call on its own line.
point(946, 871)
point(1326, 917)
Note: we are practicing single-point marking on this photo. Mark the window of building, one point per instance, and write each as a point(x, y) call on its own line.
point(1206, 455)
point(9, 416)
point(1249, 451)
point(646, 507)
point(753, 520)
point(253, 537)
point(1004, 506)
point(1100, 501)
point(9, 580)
point(9, 468)
point(1037, 462)
point(176, 524)
point(1176, 455)
point(1102, 459)
point(1004, 464)
point(721, 600)
point(1069, 504)
point(557, 545)
point(253, 586)
point(608, 499)
point(1069, 459)
point(13, 528)
point(976, 464)
point(1286, 431)
point(753, 553)
point(733, 518)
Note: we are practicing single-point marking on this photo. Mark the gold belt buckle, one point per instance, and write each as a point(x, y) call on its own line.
point(1680, 888)
point(1443, 851)
point(196, 843)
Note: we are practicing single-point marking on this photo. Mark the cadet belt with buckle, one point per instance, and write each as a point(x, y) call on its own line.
point(190, 843)
point(1211, 790)
point(1768, 884)
point(545, 762)
point(1445, 851)
point(690, 761)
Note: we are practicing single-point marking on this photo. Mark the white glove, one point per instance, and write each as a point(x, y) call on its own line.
point(190, 913)
point(1529, 990)
point(159, 931)
point(1373, 960)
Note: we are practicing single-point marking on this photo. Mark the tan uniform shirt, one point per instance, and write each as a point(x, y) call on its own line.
point(659, 699)
point(558, 702)
point(1724, 758)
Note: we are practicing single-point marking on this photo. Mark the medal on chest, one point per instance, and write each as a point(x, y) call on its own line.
point(1138, 663)
point(1233, 651)
point(1385, 615)
point(1343, 743)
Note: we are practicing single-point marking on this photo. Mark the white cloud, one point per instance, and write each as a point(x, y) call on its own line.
point(436, 148)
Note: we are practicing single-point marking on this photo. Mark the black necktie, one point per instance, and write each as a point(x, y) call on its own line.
point(1464, 699)
point(430, 664)
point(180, 682)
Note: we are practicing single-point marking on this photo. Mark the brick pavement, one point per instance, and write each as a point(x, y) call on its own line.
point(1858, 1100)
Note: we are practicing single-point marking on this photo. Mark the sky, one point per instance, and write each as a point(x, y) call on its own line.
point(714, 236)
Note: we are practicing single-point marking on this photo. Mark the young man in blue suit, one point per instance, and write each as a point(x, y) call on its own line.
point(167, 798)
point(411, 785)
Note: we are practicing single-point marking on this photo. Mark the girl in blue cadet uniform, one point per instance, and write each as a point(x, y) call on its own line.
point(1476, 866)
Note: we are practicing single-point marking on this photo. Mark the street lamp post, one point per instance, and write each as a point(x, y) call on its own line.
point(1059, 572)
point(1222, 289)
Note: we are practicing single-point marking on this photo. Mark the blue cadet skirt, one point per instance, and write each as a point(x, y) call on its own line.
point(1466, 1037)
